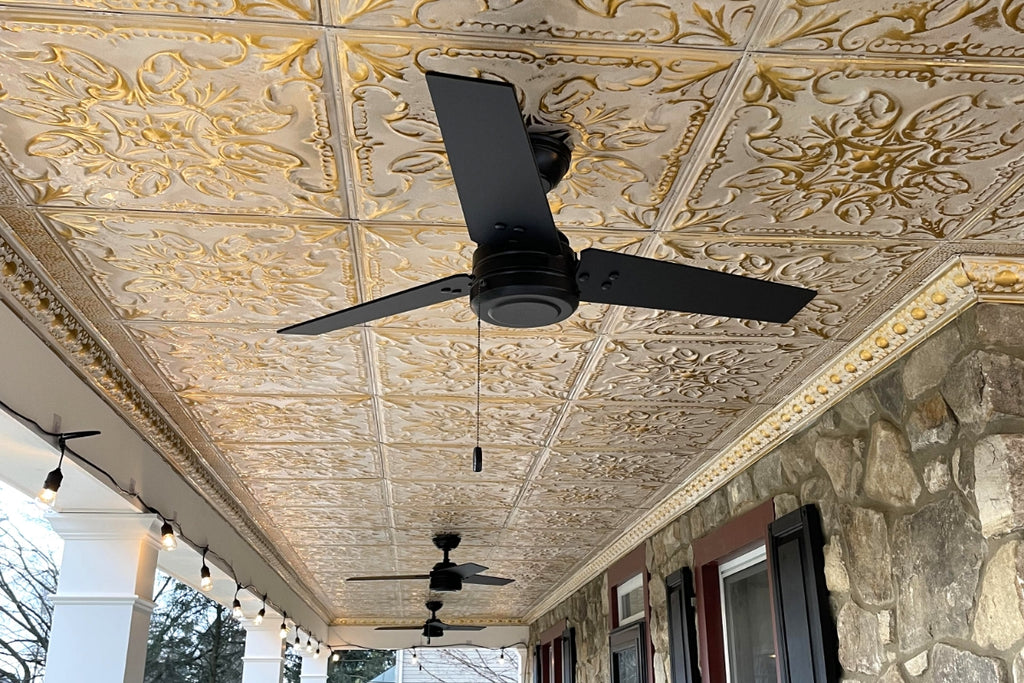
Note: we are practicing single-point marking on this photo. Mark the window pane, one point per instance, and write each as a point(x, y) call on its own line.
point(626, 669)
point(748, 625)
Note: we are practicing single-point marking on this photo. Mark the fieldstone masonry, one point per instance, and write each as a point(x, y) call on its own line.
point(919, 477)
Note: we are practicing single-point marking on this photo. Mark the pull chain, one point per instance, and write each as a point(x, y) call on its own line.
point(478, 453)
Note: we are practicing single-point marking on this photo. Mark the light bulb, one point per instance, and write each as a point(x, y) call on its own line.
point(502, 655)
point(284, 631)
point(205, 581)
point(316, 655)
point(258, 619)
point(236, 610)
point(309, 645)
point(297, 643)
point(415, 657)
point(48, 494)
point(336, 657)
point(167, 539)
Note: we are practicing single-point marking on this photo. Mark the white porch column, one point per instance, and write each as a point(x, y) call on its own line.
point(263, 661)
point(104, 597)
point(314, 669)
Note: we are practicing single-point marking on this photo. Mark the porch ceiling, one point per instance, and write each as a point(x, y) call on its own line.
point(193, 178)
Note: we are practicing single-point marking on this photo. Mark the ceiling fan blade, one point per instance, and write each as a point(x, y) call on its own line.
point(492, 160)
point(607, 277)
point(466, 570)
point(399, 628)
point(435, 292)
point(393, 577)
point(487, 580)
point(449, 627)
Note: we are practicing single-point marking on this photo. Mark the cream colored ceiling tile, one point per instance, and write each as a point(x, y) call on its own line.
point(965, 28)
point(539, 520)
point(511, 366)
point(419, 541)
point(188, 268)
point(328, 518)
point(182, 116)
point(569, 552)
point(708, 372)
point(430, 519)
point(847, 276)
point(447, 421)
point(642, 426)
point(346, 460)
point(632, 120)
point(240, 361)
point(709, 23)
point(536, 535)
point(409, 462)
point(438, 494)
point(330, 539)
point(278, 10)
point(830, 149)
point(397, 257)
point(320, 563)
point(283, 493)
point(576, 495)
point(274, 419)
point(1004, 222)
point(536, 568)
point(602, 466)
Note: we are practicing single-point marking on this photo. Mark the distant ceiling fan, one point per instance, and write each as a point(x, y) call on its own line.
point(432, 627)
point(525, 274)
point(446, 576)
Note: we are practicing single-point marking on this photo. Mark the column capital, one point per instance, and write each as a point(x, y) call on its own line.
point(97, 526)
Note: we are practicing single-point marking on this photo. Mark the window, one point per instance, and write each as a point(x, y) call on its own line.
point(555, 655)
point(682, 625)
point(627, 644)
point(747, 618)
point(630, 598)
point(629, 638)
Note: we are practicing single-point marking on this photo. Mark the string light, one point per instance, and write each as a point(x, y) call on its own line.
point(48, 494)
point(284, 626)
point(167, 539)
point(316, 655)
point(258, 619)
point(236, 606)
point(205, 581)
point(415, 656)
point(297, 643)
point(502, 655)
point(309, 644)
point(335, 657)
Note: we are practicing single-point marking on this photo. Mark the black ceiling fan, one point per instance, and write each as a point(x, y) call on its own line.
point(432, 627)
point(525, 274)
point(446, 576)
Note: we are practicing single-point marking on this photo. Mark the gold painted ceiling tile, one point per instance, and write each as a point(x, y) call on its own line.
point(1004, 222)
point(822, 148)
point(540, 366)
point(186, 268)
point(187, 117)
point(417, 542)
point(239, 361)
point(964, 28)
point(538, 536)
point(642, 426)
point(280, 10)
point(631, 116)
point(708, 23)
point(308, 461)
point(407, 462)
point(847, 276)
point(603, 466)
point(443, 494)
point(329, 539)
point(326, 519)
point(572, 552)
point(539, 520)
point(427, 518)
point(321, 564)
point(449, 421)
point(575, 495)
point(706, 372)
point(347, 493)
point(275, 419)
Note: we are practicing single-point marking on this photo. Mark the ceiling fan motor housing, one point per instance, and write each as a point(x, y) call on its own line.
point(520, 284)
point(442, 581)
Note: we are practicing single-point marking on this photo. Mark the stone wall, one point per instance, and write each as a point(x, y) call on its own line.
point(919, 477)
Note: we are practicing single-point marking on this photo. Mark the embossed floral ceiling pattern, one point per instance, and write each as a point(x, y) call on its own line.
point(191, 176)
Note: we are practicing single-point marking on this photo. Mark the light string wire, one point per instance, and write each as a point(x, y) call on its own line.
point(66, 450)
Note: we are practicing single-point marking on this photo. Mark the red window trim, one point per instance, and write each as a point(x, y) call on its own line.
point(551, 652)
point(635, 562)
point(730, 540)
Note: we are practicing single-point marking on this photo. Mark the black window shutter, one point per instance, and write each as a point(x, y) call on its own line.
point(569, 655)
point(682, 627)
point(806, 635)
point(537, 664)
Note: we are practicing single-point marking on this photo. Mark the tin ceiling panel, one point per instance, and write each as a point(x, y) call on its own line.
point(255, 163)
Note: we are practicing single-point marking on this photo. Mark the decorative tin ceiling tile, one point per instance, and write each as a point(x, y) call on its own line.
point(177, 267)
point(709, 23)
point(642, 426)
point(273, 419)
point(619, 496)
point(966, 28)
point(326, 519)
point(539, 536)
point(1005, 222)
point(828, 149)
point(541, 519)
point(430, 519)
point(284, 493)
point(693, 371)
point(186, 116)
point(541, 366)
point(443, 494)
point(436, 463)
point(572, 553)
point(304, 461)
point(239, 361)
point(847, 277)
point(603, 99)
point(449, 421)
point(332, 538)
point(601, 466)
point(278, 10)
